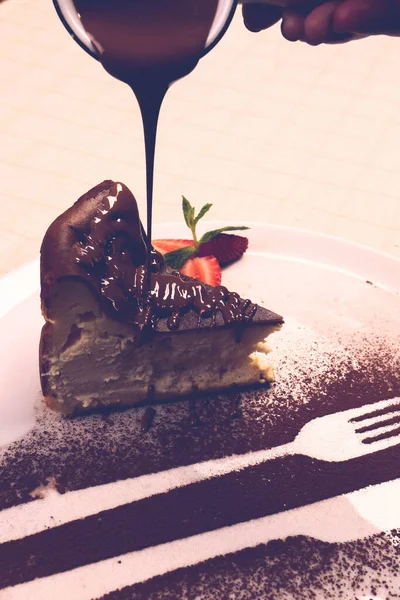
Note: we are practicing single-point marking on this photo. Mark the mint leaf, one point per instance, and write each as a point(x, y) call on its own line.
point(188, 212)
point(211, 234)
point(177, 258)
point(192, 222)
point(202, 212)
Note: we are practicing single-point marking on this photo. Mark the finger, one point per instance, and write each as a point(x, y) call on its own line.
point(259, 16)
point(342, 38)
point(318, 25)
point(293, 25)
point(368, 16)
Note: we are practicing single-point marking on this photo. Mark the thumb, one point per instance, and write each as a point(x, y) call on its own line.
point(372, 17)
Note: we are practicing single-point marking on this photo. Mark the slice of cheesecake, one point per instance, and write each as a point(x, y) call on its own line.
point(122, 328)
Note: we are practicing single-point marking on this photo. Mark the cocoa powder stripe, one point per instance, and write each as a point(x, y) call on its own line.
point(212, 504)
point(281, 569)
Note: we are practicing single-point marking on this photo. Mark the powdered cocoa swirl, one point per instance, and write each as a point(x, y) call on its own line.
point(104, 243)
point(298, 568)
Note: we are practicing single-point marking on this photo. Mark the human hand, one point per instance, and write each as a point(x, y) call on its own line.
point(332, 22)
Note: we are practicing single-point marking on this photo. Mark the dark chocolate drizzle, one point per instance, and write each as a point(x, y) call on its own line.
point(114, 258)
point(147, 419)
point(236, 412)
point(194, 419)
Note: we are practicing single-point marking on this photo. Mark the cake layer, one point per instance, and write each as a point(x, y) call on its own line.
point(90, 359)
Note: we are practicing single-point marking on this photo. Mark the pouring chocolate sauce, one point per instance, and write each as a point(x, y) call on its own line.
point(148, 44)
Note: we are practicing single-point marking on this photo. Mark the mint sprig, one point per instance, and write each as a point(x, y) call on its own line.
point(177, 258)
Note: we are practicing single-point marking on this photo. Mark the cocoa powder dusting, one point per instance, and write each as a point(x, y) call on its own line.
point(298, 568)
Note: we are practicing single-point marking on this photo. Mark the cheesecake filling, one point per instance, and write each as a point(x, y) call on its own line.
point(95, 360)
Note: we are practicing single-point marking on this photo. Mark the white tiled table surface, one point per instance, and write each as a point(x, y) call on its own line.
point(266, 130)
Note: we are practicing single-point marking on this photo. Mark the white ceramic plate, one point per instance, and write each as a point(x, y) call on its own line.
point(341, 303)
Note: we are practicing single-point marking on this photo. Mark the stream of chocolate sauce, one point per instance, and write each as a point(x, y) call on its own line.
point(148, 44)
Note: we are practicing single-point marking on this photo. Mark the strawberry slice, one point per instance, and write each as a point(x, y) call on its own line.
point(225, 247)
point(164, 246)
point(202, 258)
point(205, 269)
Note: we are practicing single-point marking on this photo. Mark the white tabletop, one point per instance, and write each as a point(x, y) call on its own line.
point(266, 130)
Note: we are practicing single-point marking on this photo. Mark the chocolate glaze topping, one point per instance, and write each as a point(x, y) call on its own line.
point(101, 241)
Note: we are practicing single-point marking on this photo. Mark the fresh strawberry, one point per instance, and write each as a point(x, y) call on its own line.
point(225, 247)
point(205, 269)
point(199, 258)
point(164, 246)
